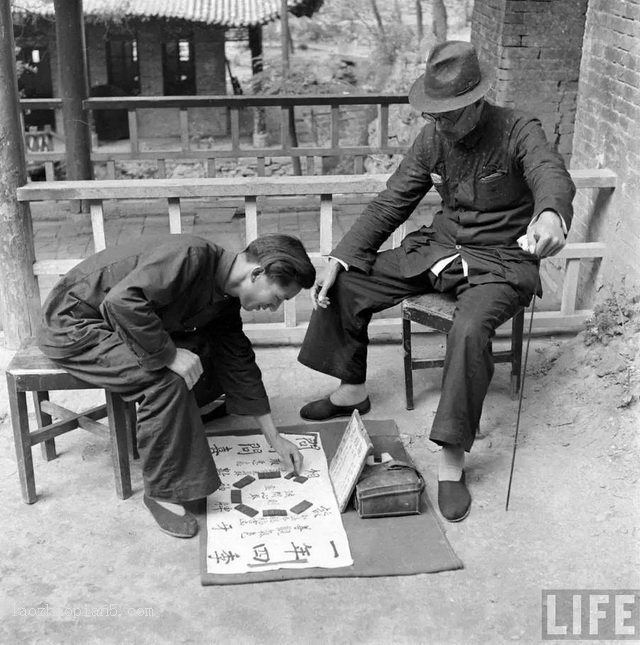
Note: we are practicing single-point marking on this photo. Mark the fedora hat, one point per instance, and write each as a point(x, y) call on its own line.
point(453, 79)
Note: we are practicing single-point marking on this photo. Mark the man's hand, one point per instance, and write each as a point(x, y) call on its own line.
point(289, 453)
point(188, 365)
point(545, 236)
point(320, 289)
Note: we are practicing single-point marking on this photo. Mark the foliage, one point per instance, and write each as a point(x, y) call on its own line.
point(302, 79)
point(22, 67)
point(618, 313)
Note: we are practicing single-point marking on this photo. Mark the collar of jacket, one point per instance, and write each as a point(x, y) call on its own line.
point(227, 258)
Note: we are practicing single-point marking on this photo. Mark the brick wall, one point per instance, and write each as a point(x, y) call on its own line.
point(535, 48)
point(153, 123)
point(211, 76)
point(607, 135)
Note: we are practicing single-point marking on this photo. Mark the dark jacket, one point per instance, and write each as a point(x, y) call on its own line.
point(492, 183)
point(148, 290)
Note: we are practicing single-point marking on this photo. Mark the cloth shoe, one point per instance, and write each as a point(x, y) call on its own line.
point(181, 526)
point(454, 499)
point(324, 409)
point(217, 413)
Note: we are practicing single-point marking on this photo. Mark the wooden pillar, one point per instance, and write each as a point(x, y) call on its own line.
point(255, 47)
point(19, 297)
point(284, 43)
point(257, 66)
point(74, 87)
point(284, 37)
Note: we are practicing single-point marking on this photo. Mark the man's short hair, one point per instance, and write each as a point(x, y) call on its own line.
point(283, 258)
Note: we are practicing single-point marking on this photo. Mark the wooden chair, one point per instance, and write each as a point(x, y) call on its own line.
point(31, 371)
point(435, 310)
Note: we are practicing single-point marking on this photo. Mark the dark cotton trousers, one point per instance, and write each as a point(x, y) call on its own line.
point(337, 340)
point(177, 465)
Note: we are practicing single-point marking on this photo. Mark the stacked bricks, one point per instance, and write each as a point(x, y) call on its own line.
point(607, 135)
point(535, 48)
point(209, 44)
point(210, 77)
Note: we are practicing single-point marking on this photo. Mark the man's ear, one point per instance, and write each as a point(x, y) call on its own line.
point(256, 272)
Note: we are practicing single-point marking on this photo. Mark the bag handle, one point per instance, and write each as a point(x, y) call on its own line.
point(397, 464)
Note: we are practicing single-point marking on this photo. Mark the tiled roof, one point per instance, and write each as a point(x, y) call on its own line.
point(230, 13)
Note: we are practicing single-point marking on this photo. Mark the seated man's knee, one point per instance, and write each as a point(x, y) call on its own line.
point(468, 330)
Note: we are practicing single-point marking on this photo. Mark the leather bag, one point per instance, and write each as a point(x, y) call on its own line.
point(389, 489)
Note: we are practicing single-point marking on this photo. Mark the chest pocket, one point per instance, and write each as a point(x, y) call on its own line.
point(498, 190)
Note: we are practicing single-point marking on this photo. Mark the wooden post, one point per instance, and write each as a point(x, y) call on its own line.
point(284, 38)
point(419, 24)
point(257, 60)
point(74, 87)
point(19, 297)
point(284, 44)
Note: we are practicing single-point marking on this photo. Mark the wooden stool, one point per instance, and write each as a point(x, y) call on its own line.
point(435, 310)
point(31, 371)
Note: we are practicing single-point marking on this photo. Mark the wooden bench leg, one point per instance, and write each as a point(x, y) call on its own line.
point(131, 430)
point(49, 446)
point(22, 440)
point(408, 370)
point(119, 430)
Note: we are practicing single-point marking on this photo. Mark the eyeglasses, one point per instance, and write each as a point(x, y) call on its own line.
point(451, 117)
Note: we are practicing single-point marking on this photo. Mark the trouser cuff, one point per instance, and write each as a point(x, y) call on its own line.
point(452, 438)
point(185, 493)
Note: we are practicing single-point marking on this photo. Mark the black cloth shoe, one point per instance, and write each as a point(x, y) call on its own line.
point(324, 409)
point(217, 413)
point(181, 526)
point(454, 499)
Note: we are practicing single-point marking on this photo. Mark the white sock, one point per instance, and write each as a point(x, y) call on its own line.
point(451, 463)
point(177, 509)
point(348, 394)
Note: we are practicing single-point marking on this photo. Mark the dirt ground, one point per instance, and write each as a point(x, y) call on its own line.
point(573, 522)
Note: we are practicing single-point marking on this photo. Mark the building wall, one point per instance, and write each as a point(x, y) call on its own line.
point(153, 123)
point(209, 44)
point(607, 135)
point(210, 72)
point(535, 48)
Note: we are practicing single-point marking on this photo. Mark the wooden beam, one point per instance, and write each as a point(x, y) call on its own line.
point(590, 178)
point(389, 330)
point(70, 422)
point(19, 295)
point(241, 186)
point(226, 101)
point(85, 422)
point(195, 188)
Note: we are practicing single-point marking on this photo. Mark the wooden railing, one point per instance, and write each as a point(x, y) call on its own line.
point(568, 317)
point(329, 105)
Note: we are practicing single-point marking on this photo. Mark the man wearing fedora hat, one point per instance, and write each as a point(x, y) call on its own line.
point(506, 203)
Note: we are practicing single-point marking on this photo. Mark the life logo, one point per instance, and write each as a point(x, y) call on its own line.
point(590, 614)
